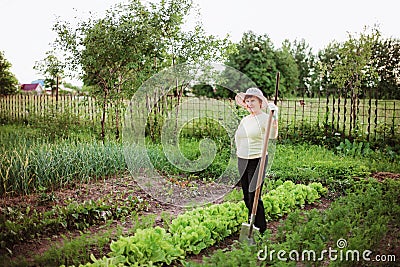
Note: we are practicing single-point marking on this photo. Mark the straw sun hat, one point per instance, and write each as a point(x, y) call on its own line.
point(251, 92)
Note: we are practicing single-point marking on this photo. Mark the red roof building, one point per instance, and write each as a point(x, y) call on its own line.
point(33, 88)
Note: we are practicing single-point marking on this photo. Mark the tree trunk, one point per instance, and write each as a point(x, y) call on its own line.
point(117, 122)
point(57, 85)
point(103, 118)
point(118, 102)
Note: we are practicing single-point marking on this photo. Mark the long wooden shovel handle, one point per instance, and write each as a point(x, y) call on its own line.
point(262, 162)
point(263, 156)
point(278, 76)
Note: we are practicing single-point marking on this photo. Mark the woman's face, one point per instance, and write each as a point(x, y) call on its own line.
point(253, 104)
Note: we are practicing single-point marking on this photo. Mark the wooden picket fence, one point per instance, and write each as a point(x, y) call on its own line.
point(369, 117)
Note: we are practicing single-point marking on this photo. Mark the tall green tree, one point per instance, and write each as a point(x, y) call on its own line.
point(8, 81)
point(256, 57)
point(52, 69)
point(386, 61)
point(321, 81)
point(353, 71)
point(305, 61)
point(287, 65)
point(353, 66)
point(132, 42)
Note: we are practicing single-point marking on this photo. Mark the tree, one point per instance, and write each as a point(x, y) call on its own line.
point(305, 61)
point(321, 79)
point(288, 68)
point(353, 65)
point(8, 81)
point(386, 61)
point(52, 69)
point(133, 41)
point(256, 57)
point(353, 71)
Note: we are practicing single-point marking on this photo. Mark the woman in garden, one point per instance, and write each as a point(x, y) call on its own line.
point(249, 142)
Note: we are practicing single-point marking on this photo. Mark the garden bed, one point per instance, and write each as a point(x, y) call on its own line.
point(28, 250)
point(114, 186)
point(93, 191)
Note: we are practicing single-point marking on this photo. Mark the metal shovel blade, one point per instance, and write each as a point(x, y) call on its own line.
point(247, 234)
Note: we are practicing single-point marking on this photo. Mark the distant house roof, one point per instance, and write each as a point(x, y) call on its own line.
point(31, 87)
point(35, 88)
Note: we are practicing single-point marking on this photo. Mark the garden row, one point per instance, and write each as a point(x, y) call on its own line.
point(200, 228)
point(18, 225)
point(359, 229)
point(29, 163)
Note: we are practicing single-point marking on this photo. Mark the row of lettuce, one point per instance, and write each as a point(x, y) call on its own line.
point(350, 231)
point(359, 229)
point(197, 229)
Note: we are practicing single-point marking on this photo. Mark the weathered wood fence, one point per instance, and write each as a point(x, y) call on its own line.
point(342, 116)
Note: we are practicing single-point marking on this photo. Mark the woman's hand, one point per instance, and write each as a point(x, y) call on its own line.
point(273, 107)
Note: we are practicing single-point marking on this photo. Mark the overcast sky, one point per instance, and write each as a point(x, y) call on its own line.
point(25, 25)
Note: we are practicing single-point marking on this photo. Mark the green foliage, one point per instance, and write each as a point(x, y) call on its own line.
point(131, 43)
point(56, 125)
point(19, 225)
point(288, 196)
point(355, 149)
point(30, 161)
point(52, 69)
point(190, 149)
point(287, 66)
point(25, 167)
point(196, 230)
point(361, 218)
point(386, 61)
point(203, 127)
point(76, 250)
point(243, 256)
point(236, 195)
point(352, 67)
point(325, 61)
point(8, 81)
point(311, 133)
point(146, 247)
point(292, 162)
point(363, 62)
point(209, 91)
point(188, 233)
point(45, 197)
point(203, 227)
point(257, 58)
point(304, 57)
point(378, 150)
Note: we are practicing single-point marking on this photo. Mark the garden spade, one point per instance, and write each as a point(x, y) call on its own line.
point(248, 229)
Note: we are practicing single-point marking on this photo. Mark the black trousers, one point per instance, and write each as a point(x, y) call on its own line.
point(248, 170)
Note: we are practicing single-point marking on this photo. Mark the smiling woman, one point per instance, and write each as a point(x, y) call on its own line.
point(250, 144)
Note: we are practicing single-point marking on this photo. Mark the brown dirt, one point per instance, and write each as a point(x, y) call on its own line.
point(380, 176)
point(124, 185)
point(112, 186)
